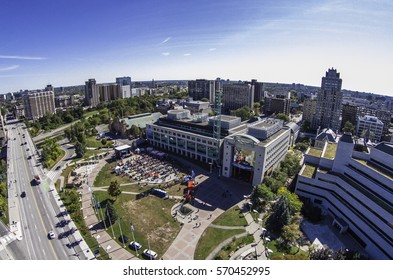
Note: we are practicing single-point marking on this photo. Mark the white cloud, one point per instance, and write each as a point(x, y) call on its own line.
point(22, 57)
point(212, 49)
point(166, 40)
point(12, 67)
point(187, 54)
point(166, 53)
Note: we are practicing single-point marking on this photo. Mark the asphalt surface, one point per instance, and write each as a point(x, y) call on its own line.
point(31, 217)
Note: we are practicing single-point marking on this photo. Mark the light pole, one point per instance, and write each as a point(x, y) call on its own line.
point(133, 237)
point(148, 242)
point(110, 221)
point(121, 233)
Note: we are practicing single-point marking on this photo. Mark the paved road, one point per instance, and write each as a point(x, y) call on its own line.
point(33, 216)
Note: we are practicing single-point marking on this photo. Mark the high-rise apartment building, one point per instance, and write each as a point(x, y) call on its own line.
point(258, 90)
point(92, 94)
point(38, 103)
point(329, 100)
point(109, 92)
point(237, 95)
point(309, 108)
point(202, 88)
point(123, 81)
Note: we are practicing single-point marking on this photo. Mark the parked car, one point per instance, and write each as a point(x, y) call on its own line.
point(135, 245)
point(123, 239)
point(150, 254)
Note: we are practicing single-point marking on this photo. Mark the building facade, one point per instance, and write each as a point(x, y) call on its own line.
point(349, 113)
point(251, 153)
point(37, 104)
point(64, 101)
point(309, 109)
point(202, 88)
point(355, 188)
point(273, 105)
point(92, 94)
point(369, 127)
point(236, 96)
point(329, 101)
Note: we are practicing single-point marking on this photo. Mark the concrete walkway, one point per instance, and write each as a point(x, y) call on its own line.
point(114, 250)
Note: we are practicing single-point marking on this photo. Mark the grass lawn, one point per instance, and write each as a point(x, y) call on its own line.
point(92, 142)
point(315, 152)
point(107, 174)
point(211, 238)
point(280, 253)
point(151, 217)
point(225, 252)
point(61, 155)
point(330, 151)
point(89, 114)
point(232, 217)
point(308, 171)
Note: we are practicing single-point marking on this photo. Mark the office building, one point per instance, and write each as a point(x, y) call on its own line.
point(202, 88)
point(277, 104)
point(236, 96)
point(369, 127)
point(38, 103)
point(329, 100)
point(255, 150)
point(353, 184)
point(248, 151)
point(349, 113)
point(92, 94)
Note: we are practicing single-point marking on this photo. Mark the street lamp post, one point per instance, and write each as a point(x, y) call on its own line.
point(148, 242)
point(133, 237)
point(121, 233)
point(110, 221)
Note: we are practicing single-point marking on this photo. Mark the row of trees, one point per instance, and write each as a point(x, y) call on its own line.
point(284, 216)
point(53, 121)
point(50, 152)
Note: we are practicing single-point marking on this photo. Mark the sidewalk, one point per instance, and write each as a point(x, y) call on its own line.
point(114, 250)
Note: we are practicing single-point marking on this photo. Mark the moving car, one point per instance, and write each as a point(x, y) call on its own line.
point(23, 194)
point(51, 235)
point(150, 254)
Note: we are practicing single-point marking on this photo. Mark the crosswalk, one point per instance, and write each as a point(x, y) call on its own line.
point(52, 174)
point(6, 239)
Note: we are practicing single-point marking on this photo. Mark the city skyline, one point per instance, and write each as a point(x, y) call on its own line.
point(65, 43)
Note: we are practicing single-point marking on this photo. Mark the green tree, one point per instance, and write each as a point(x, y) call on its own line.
point(283, 117)
point(134, 131)
point(104, 141)
point(349, 127)
point(205, 99)
point(114, 189)
point(295, 204)
point(80, 150)
point(291, 233)
point(280, 215)
point(110, 213)
point(244, 113)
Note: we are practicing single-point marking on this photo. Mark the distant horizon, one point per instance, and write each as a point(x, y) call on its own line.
point(156, 80)
point(67, 42)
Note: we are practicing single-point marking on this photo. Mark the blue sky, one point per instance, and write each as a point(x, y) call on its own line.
point(66, 42)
